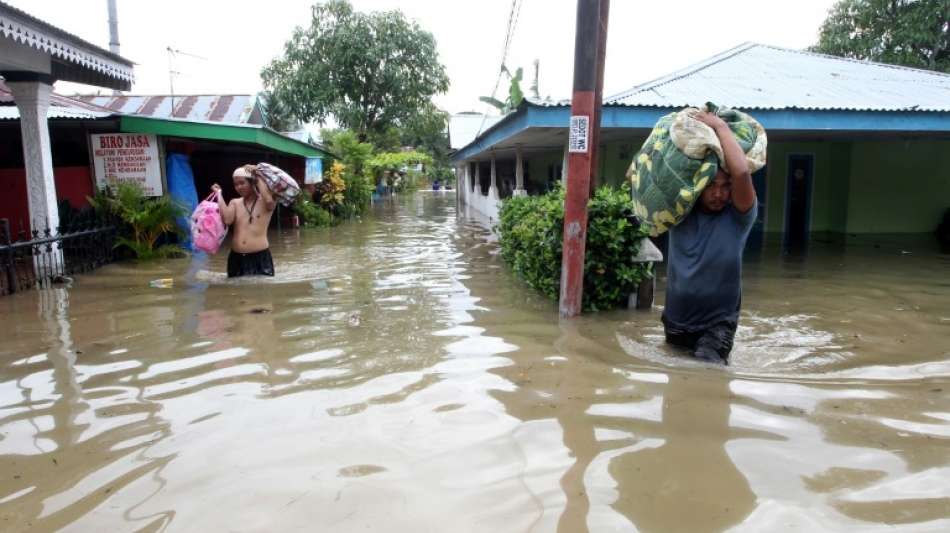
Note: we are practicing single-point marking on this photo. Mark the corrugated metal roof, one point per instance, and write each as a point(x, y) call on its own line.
point(464, 127)
point(757, 76)
point(6, 97)
point(299, 135)
point(224, 108)
point(13, 113)
point(60, 107)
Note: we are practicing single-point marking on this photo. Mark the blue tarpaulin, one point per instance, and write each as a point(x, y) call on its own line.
point(181, 187)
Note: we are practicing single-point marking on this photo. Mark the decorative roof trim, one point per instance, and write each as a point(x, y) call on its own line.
point(55, 112)
point(31, 31)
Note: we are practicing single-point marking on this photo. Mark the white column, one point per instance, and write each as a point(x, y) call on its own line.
point(494, 177)
point(564, 165)
point(467, 172)
point(32, 99)
point(492, 205)
point(519, 173)
point(461, 182)
point(477, 184)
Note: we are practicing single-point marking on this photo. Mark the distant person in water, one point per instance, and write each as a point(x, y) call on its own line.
point(250, 216)
point(704, 264)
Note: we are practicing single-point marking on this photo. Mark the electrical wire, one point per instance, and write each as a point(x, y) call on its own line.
point(513, 16)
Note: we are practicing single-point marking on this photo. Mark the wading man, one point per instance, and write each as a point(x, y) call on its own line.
point(250, 215)
point(704, 271)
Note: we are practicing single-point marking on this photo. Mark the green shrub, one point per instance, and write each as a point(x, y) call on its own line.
point(354, 156)
point(311, 215)
point(144, 221)
point(530, 229)
point(329, 192)
point(357, 196)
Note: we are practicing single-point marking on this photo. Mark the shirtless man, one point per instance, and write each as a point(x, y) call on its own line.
point(250, 214)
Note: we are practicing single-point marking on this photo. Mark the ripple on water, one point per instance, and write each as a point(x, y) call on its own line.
point(788, 346)
point(398, 363)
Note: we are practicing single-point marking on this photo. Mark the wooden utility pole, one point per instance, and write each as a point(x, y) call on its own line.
point(590, 45)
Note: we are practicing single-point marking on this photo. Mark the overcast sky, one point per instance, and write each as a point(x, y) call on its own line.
point(238, 37)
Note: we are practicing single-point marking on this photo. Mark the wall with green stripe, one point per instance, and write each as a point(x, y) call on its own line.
point(898, 186)
point(893, 186)
point(863, 186)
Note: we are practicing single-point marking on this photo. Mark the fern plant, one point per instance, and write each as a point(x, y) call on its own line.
point(144, 220)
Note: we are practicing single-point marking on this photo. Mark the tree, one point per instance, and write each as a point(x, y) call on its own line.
point(428, 132)
point(913, 33)
point(276, 114)
point(369, 71)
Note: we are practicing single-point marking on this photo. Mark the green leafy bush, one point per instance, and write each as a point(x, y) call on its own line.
point(358, 183)
point(357, 195)
point(329, 192)
point(143, 221)
point(311, 215)
point(530, 229)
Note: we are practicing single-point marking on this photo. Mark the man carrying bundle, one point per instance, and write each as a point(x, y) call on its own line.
point(704, 271)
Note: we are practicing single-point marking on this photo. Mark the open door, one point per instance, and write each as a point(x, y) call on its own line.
point(798, 200)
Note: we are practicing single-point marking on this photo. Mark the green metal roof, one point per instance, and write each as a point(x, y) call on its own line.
point(215, 131)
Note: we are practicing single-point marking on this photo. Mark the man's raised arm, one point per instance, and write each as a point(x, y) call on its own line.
point(743, 192)
point(265, 194)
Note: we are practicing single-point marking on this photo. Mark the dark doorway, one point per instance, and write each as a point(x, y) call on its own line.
point(756, 236)
point(798, 200)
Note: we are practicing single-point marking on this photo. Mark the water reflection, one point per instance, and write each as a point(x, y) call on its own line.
point(705, 491)
point(642, 449)
point(85, 442)
point(395, 373)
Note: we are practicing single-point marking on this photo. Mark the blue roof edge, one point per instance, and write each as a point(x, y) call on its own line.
point(640, 117)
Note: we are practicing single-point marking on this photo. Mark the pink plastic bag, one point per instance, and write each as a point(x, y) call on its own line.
point(207, 226)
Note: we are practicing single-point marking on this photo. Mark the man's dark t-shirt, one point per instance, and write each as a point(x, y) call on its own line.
point(704, 268)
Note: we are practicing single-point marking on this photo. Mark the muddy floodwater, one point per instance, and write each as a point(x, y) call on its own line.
point(396, 377)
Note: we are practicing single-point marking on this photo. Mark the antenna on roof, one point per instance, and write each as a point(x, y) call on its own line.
point(172, 52)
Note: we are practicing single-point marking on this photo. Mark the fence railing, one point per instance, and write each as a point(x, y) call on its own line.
point(40, 258)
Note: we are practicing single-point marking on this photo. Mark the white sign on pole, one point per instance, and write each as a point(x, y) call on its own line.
point(127, 157)
point(578, 139)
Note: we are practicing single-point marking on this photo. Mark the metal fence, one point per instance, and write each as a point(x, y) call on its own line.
point(40, 258)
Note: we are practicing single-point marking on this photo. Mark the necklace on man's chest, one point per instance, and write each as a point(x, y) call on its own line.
point(250, 211)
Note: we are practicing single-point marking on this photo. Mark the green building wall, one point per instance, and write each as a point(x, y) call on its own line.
point(829, 200)
point(898, 186)
point(617, 158)
point(861, 186)
point(536, 179)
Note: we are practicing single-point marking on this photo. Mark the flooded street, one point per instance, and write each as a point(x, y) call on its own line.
point(396, 377)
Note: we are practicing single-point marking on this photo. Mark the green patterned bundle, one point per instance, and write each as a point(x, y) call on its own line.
point(680, 157)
